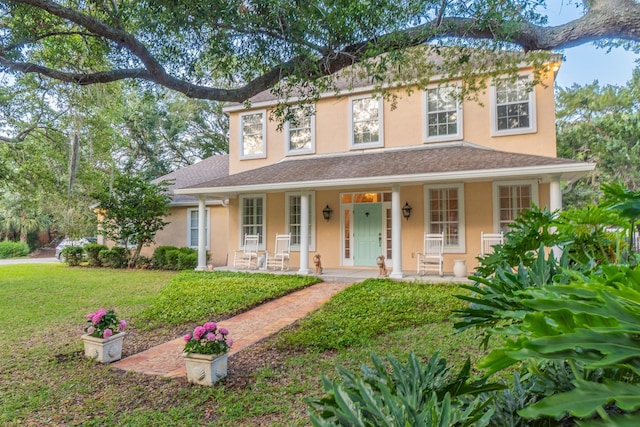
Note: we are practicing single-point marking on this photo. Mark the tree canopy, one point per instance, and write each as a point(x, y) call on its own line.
point(230, 50)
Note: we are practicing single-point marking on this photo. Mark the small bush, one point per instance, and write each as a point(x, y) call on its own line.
point(115, 257)
point(9, 249)
point(159, 258)
point(73, 255)
point(187, 261)
point(93, 253)
point(171, 259)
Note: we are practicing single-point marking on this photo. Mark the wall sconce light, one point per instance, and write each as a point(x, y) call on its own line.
point(406, 210)
point(326, 213)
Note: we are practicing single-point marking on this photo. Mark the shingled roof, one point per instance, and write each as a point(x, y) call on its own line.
point(207, 170)
point(457, 161)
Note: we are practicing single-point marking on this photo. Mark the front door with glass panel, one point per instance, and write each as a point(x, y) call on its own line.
point(367, 233)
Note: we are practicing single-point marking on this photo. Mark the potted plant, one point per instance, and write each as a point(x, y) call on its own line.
point(205, 353)
point(103, 336)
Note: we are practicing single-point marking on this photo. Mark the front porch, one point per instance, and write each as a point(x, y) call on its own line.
point(353, 275)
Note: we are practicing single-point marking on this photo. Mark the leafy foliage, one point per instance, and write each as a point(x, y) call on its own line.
point(72, 255)
point(198, 296)
point(93, 253)
point(386, 304)
point(116, 257)
point(9, 249)
point(133, 211)
point(406, 395)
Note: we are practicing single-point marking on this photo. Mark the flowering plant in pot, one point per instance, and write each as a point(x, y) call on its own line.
point(205, 353)
point(103, 336)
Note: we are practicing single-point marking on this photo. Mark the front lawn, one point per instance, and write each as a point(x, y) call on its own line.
point(44, 380)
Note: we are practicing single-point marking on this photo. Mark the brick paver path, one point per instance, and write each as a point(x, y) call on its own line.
point(245, 329)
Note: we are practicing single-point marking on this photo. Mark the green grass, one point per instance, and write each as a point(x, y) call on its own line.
point(44, 380)
point(194, 296)
point(382, 306)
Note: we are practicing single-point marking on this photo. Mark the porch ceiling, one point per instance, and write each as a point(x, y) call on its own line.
point(451, 162)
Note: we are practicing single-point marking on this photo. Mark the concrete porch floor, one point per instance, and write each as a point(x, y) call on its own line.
point(355, 274)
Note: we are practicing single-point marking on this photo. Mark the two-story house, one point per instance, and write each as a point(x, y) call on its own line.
point(355, 177)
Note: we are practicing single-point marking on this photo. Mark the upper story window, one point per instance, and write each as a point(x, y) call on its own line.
point(443, 115)
point(300, 133)
point(366, 122)
point(445, 213)
point(510, 199)
point(513, 107)
point(253, 135)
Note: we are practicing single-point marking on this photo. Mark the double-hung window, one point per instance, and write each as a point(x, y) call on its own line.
point(293, 219)
point(253, 135)
point(510, 199)
point(252, 221)
point(513, 107)
point(366, 122)
point(443, 115)
point(445, 213)
point(192, 228)
point(300, 132)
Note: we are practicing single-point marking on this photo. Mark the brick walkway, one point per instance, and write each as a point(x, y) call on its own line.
point(245, 329)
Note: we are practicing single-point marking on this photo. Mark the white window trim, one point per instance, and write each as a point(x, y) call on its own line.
point(461, 247)
point(263, 237)
point(425, 122)
point(533, 121)
point(380, 142)
point(208, 228)
point(312, 218)
point(287, 137)
point(496, 198)
point(264, 135)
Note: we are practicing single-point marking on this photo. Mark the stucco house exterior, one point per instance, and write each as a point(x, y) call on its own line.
point(462, 167)
point(183, 218)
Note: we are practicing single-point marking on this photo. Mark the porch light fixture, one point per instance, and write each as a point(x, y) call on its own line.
point(406, 210)
point(326, 213)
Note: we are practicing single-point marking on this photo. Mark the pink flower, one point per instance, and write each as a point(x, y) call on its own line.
point(107, 333)
point(187, 337)
point(198, 332)
point(219, 337)
point(223, 331)
point(97, 317)
point(210, 336)
point(90, 315)
point(210, 326)
point(229, 342)
point(91, 330)
point(123, 325)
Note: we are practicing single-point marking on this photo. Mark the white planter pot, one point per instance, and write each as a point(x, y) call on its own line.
point(205, 369)
point(459, 268)
point(103, 350)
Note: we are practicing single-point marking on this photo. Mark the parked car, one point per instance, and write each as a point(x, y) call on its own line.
point(70, 242)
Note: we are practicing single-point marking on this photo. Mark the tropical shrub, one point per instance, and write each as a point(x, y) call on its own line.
point(92, 250)
point(116, 257)
point(72, 255)
point(410, 394)
point(9, 249)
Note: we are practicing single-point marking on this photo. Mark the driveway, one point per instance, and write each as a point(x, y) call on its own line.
point(27, 261)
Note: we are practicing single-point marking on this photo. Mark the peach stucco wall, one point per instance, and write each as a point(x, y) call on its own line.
point(175, 233)
point(403, 126)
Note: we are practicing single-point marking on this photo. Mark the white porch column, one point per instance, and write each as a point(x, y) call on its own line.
point(202, 234)
point(555, 203)
point(304, 234)
point(396, 233)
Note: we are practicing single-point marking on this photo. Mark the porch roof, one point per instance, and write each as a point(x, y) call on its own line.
point(442, 163)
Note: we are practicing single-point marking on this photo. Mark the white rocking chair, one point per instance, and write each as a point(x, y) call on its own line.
point(432, 258)
point(488, 241)
point(280, 255)
point(246, 256)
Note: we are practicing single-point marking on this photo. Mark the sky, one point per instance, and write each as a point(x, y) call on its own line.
point(585, 63)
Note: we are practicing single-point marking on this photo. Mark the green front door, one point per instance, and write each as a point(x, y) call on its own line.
point(367, 233)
